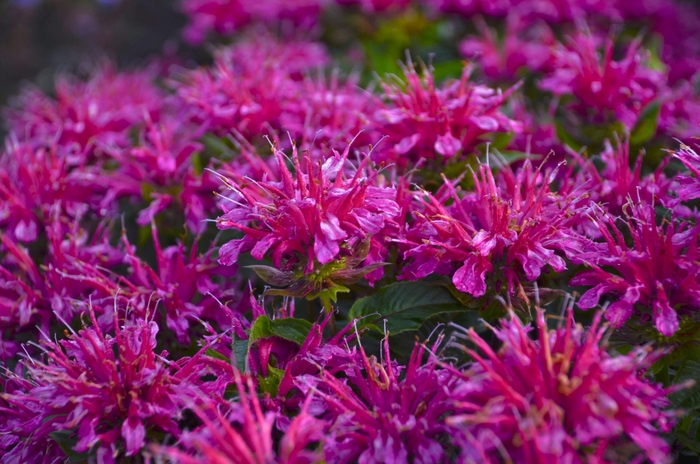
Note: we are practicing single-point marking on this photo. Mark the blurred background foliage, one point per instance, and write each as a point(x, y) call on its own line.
point(39, 38)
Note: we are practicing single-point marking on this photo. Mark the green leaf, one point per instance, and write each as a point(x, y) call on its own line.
point(216, 355)
point(291, 329)
point(295, 330)
point(66, 440)
point(261, 328)
point(405, 305)
point(646, 125)
point(500, 140)
point(687, 432)
point(240, 353)
point(271, 383)
point(688, 398)
point(563, 135)
point(511, 156)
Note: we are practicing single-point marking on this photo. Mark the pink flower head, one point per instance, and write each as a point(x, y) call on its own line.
point(503, 234)
point(680, 112)
point(619, 180)
point(228, 16)
point(524, 45)
point(602, 85)
point(246, 88)
point(161, 170)
point(243, 433)
point(294, 57)
point(312, 217)
point(560, 399)
point(108, 394)
point(314, 354)
point(103, 109)
point(425, 122)
point(328, 112)
point(35, 180)
point(655, 277)
point(380, 415)
point(178, 284)
point(18, 419)
point(73, 274)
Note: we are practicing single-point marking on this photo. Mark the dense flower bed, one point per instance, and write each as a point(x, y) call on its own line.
point(487, 252)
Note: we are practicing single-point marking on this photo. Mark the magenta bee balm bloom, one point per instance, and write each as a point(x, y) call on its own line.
point(500, 234)
point(107, 394)
point(655, 277)
point(562, 398)
point(426, 121)
point(310, 218)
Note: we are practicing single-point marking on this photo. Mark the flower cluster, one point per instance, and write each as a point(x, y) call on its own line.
point(561, 398)
point(652, 277)
point(84, 115)
point(204, 216)
point(103, 395)
point(504, 233)
point(423, 121)
point(623, 87)
point(227, 17)
point(377, 417)
point(312, 220)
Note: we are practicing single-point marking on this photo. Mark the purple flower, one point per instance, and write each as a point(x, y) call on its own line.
point(689, 185)
point(503, 234)
point(179, 283)
point(560, 399)
point(228, 16)
point(655, 277)
point(161, 170)
point(680, 112)
point(73, 274)
point(103, 109)
point(246, 88)
point(426, 122)
point(33, 181)
point(243, 432)
point(601, 84)
point(380, 415)
point(106, 394)
point(524, 45)
point(311, 219)
point(619, 180)
point(328, 112)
